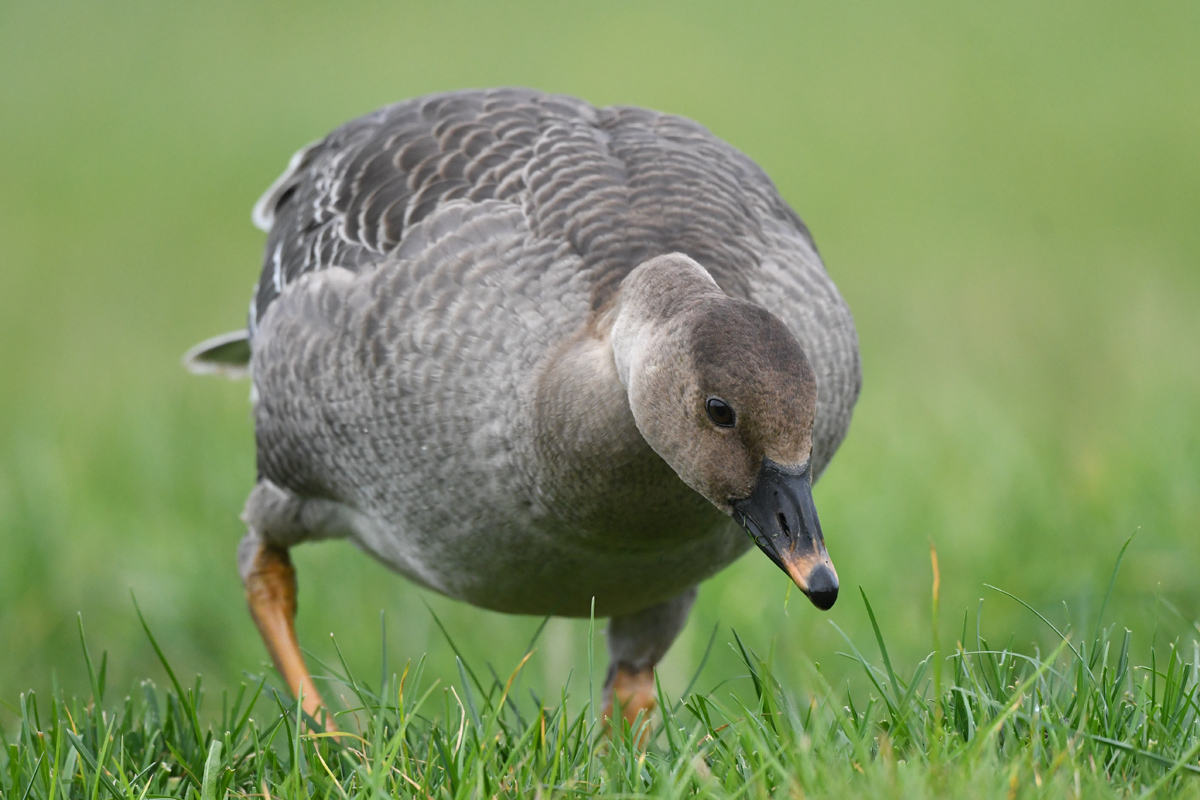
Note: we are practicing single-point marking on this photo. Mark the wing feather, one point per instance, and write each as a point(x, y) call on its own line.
point(616, 185)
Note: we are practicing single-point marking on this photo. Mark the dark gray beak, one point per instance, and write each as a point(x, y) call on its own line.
point(782, 520)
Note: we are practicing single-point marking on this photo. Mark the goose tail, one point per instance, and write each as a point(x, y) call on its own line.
point(227, 354)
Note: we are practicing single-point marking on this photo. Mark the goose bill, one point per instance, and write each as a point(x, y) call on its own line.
point(782, 520)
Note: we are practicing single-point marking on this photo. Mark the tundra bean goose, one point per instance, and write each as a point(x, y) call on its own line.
point(529, 353)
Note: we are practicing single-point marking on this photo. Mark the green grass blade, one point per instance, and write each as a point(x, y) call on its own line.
point(162, 659)
point(95, 765)
point(450, 641)
point(212, 768)
point(1112, 581)
point(887, 661)
point(1039, 615)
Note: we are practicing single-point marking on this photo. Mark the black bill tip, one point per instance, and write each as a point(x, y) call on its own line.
point(822, 587)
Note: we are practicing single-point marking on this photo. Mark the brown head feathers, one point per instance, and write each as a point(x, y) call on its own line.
point(680, 342)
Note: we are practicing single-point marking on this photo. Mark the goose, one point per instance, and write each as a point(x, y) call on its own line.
point(542, 357)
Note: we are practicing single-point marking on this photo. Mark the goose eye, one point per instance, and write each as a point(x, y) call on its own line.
point(720, 412)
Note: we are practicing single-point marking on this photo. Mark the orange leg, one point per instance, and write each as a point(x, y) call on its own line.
point(633, 691)
point(636, 643)
point(271, 594)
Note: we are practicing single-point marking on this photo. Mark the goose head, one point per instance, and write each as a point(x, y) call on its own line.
point(723, 392)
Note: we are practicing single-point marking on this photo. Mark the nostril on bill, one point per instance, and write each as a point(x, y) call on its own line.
point(822, 587)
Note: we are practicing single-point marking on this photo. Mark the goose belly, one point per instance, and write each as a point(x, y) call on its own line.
point(526, 565)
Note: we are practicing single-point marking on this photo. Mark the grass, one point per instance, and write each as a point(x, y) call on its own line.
point(1079, 721)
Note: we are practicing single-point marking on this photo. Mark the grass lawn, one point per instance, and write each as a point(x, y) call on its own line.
point(1079, 721)
point(1006, 196)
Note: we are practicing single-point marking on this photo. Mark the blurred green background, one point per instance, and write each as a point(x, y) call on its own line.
point(1008, 195)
